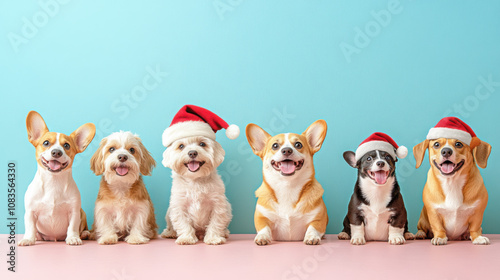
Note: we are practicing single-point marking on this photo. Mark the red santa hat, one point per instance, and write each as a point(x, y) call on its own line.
point(192, 120)
point(452, 127)
point(383, 142)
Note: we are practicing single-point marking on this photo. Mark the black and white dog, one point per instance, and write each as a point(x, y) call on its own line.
point(376, 210)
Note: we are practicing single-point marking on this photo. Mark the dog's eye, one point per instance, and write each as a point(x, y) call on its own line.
point(369, 159)
point(46, 143)
point(298, 145)
point(66, 146)
point(387, 157)
point(181, 146)
point(112, 149)
point(202, 144)
point(275, 146)
point(132, 150)
point(459, 145)
point(436, 145)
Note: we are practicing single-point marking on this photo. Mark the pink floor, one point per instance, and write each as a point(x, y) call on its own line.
point(240, 258)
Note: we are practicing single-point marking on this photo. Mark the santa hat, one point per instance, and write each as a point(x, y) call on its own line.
point(383, 142)
point(452, 127)
point(192, 120)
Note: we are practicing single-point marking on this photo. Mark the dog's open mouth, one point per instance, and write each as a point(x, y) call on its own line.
point(449, 168)
point(121, 170)
point(380, 177)
point(54, 165)
point(194, 165)
point(287, 167)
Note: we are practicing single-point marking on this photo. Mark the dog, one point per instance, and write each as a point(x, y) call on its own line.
point(290, 204)
point(123, 209)
point(454, 195)
point(376, 209)
point(52, 201)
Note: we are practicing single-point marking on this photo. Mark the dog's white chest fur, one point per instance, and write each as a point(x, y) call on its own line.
point(376, 215)
point(454, 212)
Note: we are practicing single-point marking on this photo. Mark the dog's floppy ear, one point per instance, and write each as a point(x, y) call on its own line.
point(257, 138)
point(83, 136)
point(419, 152)
point(147, 161)
point(36, 127)
point(350, 158)
point(316, 134)
point(97, 160)
point(219, 153)
point(481, 151)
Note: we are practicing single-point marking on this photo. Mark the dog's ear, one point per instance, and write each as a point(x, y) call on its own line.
point(481, 151)
point(147, 161)
point(257, 138)
point(83, 136)
point(165, 160)
point(350, 158)
point(316, 134)
point(97, 160)
point(219, 153)
point(419, 152)
point(36, 127)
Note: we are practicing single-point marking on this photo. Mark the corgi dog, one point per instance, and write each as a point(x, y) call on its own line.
point(290, 204)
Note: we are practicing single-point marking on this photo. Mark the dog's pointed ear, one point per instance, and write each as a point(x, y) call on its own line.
point(83, 136)
point(36, 127)
point(97, 160)
point(481, 151)
point(350, 158)
point(316, 134)
point(419, 152)
point(147, 161)
point(257, 138)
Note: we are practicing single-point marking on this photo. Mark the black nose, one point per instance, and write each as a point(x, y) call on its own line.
point(286, 151)
point(380, 163)
point(193, 154)
point(56, 153)
point(122, 157)
point(446, 152)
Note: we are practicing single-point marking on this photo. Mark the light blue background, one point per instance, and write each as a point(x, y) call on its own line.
point(250, 63)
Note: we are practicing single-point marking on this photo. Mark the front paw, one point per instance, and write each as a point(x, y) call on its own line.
point(169, 233)
point(27, 242)
point(214, 240)
point(420, 235)
point(136, 239)
point(396, 240)
point(108, 239)
point(186, 240)
point(73, 240)
point(312, 240)
point(358, 240)
point(481, 240)
point(262, 239)
point(409, 236)
point(439, 241)
point(343, 236)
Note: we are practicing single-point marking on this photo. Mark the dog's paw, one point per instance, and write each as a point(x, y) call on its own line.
point(396, 239)
point(169, 233)
point(73, 240)
point(27, 242)
point(214, 240)
point(136, 239)
point(439, 241)
point(343, 236)
point(108, 240)
point(226, 233)
point(420, 235)
point(186, 240)
point(358, 240)
point(262, 239)
point(85, 235)
point(312, 240)
point(409, 236)
point(481, 240)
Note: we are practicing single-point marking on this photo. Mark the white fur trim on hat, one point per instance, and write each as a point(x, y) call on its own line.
point(444, 132)
point(232, 131)
point(375, 145)
point(186, 129)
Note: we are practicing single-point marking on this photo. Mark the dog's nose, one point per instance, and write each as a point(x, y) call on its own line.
point(193, 154)
point(380, 164)
point(56, 153)
point(122, 157)
point(286, 151)
point(446, 152)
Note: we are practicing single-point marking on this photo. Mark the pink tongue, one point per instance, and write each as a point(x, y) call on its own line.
point(54, 164)
point(122, 171)
point(287, 167)
point(380, 177)
point(447, 167)
point(193, 165)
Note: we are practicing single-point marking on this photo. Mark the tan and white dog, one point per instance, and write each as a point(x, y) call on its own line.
point(52, 201)
point(123, 209)
point(290, 204)
point(454, 196)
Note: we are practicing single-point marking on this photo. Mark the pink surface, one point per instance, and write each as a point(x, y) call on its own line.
point(240, 258)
